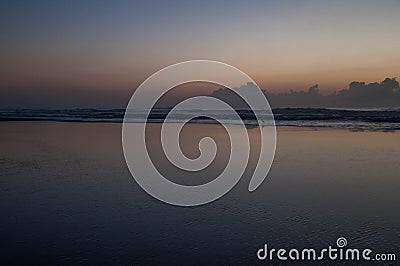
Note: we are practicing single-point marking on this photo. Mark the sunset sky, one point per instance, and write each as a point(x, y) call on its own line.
point(94, 54)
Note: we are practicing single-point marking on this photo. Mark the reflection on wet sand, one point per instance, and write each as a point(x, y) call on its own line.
point(67, 196)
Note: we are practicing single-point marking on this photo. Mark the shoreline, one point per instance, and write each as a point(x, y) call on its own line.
point(322, 183)
point(278, 127)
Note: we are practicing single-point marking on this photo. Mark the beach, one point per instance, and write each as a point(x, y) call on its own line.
point(68, 197)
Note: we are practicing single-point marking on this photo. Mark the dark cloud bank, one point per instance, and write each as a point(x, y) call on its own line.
point(383, 94)
point(358, 95)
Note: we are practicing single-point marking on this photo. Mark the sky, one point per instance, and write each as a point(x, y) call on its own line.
point(62, 54)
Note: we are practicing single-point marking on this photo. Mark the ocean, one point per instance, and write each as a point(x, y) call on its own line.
point(377, 119)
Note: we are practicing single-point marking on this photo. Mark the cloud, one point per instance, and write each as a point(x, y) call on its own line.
point(358, 94)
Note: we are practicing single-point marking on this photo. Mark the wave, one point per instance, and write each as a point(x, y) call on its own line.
point(383, 119)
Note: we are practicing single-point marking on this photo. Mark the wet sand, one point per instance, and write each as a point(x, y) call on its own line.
point(67, 197)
